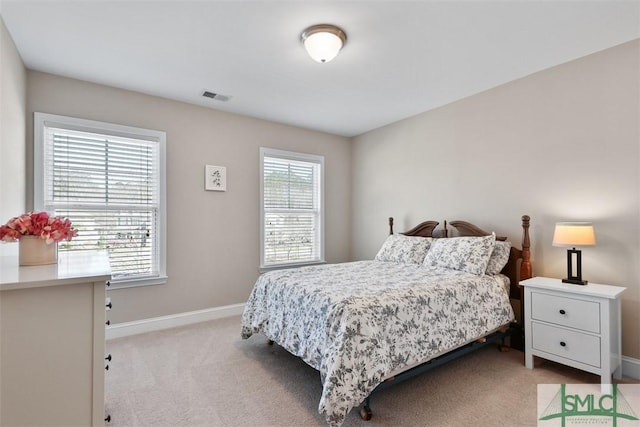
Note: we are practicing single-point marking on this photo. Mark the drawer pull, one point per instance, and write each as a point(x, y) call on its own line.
point(108, 283)
point(108, 419)
point(109, 306)
point(108, 357)
point(106, 367)
point(108, 322)
point(563, 344)
point(563, 312)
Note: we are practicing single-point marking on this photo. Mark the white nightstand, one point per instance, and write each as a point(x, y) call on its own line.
point(574, 325)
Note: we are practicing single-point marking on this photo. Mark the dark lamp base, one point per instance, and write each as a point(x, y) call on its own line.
point(575, 281)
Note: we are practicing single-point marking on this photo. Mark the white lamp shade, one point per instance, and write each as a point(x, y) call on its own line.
point(574, 234)
point(323, 47)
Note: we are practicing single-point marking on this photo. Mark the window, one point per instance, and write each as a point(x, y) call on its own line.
point(292, 208)
point(109, 180)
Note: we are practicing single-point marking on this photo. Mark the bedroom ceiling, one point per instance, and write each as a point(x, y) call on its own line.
point(401, 58)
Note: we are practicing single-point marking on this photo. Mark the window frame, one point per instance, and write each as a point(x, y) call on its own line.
point(300, 157)
point(42, 120)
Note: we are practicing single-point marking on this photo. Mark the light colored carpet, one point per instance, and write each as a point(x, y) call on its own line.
point(206, 375)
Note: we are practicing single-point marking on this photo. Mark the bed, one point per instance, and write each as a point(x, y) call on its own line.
point(422, 299)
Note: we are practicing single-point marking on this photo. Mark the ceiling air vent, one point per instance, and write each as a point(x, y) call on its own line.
point(216, 96)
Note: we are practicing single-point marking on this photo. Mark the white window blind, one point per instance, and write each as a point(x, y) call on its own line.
point(110, 185)
point(291, 208)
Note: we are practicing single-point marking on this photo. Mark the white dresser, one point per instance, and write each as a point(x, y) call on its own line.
point(52, 321)
point(574, 325)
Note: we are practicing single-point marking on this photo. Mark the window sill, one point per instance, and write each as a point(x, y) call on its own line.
point(135, 283)
point(264, 269)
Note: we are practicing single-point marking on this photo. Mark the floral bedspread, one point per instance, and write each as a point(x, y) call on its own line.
point(358, 322)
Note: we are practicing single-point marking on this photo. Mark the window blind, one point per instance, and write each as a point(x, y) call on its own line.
point(108, 186)
point(291, 211)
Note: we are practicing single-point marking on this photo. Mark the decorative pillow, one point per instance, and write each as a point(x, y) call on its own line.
point(499, 257)
point(404, 249)
point(468, 254)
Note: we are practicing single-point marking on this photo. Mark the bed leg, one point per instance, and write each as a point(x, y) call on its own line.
point(365, 410)
point(504, 347)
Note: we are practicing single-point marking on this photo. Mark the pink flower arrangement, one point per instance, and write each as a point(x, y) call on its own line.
point(51, 229)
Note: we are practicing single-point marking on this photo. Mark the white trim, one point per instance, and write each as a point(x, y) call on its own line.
point(126, 329)
point(630, 367)
point(298, 157)
point(42, 120)
point(293, 265)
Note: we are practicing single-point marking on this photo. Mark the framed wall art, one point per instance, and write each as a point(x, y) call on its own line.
point(215, 178)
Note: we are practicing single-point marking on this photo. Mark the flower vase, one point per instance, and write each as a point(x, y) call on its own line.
point(36, 251)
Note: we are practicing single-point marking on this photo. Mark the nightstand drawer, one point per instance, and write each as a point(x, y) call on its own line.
point(571, 345)
point(569, 312)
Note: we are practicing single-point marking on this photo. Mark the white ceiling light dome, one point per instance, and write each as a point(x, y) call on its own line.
point(323, 42)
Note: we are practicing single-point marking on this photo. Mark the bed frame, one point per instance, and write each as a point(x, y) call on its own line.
point(518, 268)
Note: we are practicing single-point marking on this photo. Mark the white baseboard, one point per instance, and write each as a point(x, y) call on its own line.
point(126, 329)
point(631, 367)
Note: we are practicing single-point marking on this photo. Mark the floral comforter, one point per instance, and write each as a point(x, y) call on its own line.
point(358, 322)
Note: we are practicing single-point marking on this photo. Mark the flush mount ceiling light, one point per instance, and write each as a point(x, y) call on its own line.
point(323, 42)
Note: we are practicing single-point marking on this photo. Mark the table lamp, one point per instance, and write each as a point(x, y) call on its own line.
point(574, 234)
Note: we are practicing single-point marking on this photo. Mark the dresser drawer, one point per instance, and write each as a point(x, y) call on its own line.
point(571, 345)
point(569, 312)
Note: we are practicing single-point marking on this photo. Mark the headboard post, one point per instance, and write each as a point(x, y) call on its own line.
point(525, 266)
point(390, 225)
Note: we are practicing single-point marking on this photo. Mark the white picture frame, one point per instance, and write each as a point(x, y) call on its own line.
point(215, 178)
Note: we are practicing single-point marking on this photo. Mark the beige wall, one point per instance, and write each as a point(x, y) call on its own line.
point(562, 144)
point(13, 101)
point(213, 237)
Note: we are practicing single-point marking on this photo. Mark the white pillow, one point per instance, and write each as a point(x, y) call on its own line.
point(499, 257)
point(468, 254)
point(404, 249)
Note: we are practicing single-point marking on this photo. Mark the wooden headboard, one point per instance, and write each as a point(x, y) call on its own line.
point(424, 229)
point(514, 270)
